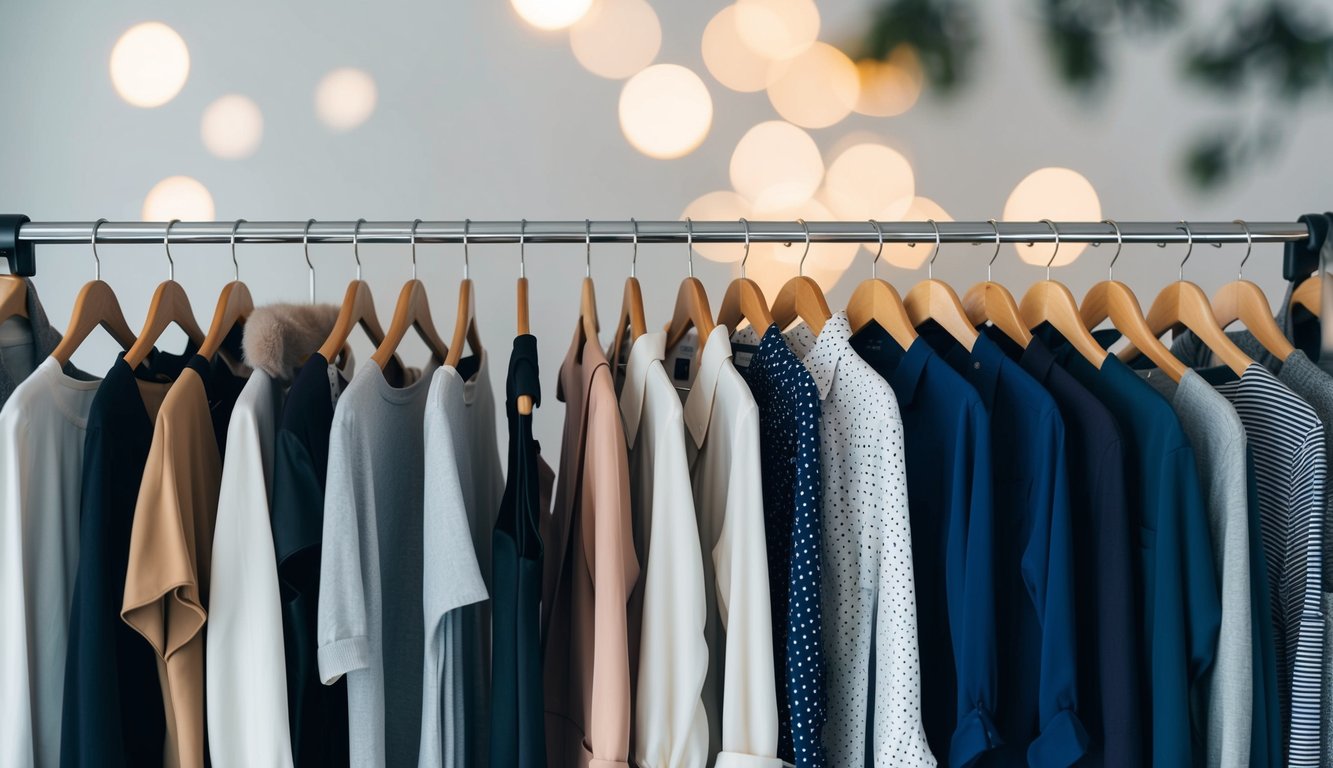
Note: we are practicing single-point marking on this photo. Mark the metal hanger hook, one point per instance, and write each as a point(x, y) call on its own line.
point(166, 243)
point(930, 265)
point(97, 260)
point(235, 265)
point(356, 245)
point(413, 236)
point(995, 226)
point(1055, 231)
point(875, 262)
point(1189, 249)
point(522, 248)
point(689, 242)
point(587, 247)
point(1249, 246)
point(1119, 243)
point(634, 256)
point(467, 260)
point(745, 256)
point(800, 266)
point(305, 244)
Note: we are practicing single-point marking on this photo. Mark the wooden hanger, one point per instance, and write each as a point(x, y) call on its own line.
point(990, 301)
point(691, 304)
point(358, 305)
point(1050, 302)
point(1306, 296)
point(589, 325)
point(465, 322)
point(411, 312)
point(631, 323)
point(233, 308)
point(744, 300)
point(1243, 300)
point(1113, 299)
point(13, 297)
point(801, 297)
point(95, 306)
point(521, 326)
point(877, 300)
point(1183, 304)
point(933, 299)
point(170, 305)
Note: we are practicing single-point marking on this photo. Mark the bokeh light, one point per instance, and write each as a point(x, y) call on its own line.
point(722, 205)
point(178, 197)
point(665, 111)
point(869, 181)
point(892, 87)
point(149, 64)
point(905, 256)
point(617, 38)
point(232, 127)
point(815, 89)
point(727, 57)
point(1059, 194)
point(551, 14)
point(776, 165)
point(345, 98)
point(777, 29)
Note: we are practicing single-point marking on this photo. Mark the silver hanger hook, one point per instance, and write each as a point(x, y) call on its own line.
point(413, 236)
point(587, 247)
point(634, 257)
point(995, 226)
point(875, 262)
point(745, 256)
point(1119, 243)
point(689, 242)
point(1249, 246)
point(166, 243)
point(1189, 248)
point(930, 265)
point(310, 266)
point(800, 266)
point(522, 248)
point(1054, 252)
point(97, 260)
point(467, 259)
point(356, 245)
point(235, 265)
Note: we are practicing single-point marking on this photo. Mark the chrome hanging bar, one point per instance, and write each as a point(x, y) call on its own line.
point(484, 232)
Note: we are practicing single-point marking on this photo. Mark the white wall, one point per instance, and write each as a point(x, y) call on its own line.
point(480, 116)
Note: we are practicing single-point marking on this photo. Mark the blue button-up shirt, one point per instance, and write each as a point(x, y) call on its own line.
point(1037, 712)
point(948, 446)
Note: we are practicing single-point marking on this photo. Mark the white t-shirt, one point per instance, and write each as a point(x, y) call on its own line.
point(42, 429)
point(245, 664)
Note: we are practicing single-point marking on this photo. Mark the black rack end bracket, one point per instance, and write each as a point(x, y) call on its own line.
point(1300, 258)
point(18, 253)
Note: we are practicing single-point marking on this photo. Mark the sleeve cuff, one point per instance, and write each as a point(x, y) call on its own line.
point(342, 656)
point(739, 760)
point(975, 735)
point(1061, 743)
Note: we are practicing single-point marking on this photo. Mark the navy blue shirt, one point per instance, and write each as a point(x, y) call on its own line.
point(1180, 607)
point(788, 403)
point(1037, 713)
point(1106, 613)
point(948, 444)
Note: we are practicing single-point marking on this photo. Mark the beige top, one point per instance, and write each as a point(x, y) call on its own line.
point(589, 571)
point(166, 586)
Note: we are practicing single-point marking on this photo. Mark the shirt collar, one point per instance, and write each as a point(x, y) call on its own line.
point(906, 378)
point(833, 342)
point(985, 368)
point(1037, 359)
point(699, 403)
point(647, 349)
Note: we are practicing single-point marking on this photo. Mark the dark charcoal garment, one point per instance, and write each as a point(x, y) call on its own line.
point(113, 713)
point(317, 713)
point(517, 706)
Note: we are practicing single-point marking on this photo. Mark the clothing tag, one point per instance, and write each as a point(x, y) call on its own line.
point(742, 354)
point(681, 371)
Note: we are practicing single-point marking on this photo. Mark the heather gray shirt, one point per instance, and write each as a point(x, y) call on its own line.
point(25, 343)
point(1215, 430)
point(371, 625)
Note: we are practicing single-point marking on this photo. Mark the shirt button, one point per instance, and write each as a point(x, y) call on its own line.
point(976, 366)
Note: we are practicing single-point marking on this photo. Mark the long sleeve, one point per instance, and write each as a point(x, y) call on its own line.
point(1048, 572)
point(614, 569)
point(749, 699)
point(1306, 542)
point(971, 579)
point(245, 665)
point(343, 627)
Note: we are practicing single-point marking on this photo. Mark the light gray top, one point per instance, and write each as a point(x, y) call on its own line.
point(1215, 431)
point(25, 343)
point(371, 625)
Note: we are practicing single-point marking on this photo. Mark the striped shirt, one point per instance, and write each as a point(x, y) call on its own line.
point(1286, 440)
